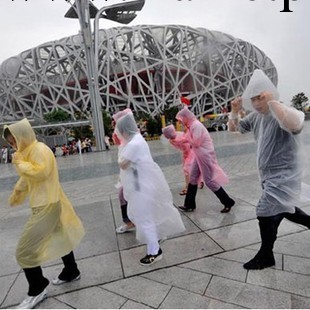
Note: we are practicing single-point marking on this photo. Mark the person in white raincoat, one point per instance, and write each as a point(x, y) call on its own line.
point(150, 205)
point(276, 129)
point(53, 230)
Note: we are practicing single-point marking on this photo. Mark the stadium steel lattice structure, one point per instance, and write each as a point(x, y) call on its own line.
point(143, 67)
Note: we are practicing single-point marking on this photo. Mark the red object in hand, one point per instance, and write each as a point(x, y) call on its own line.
point(185, 101)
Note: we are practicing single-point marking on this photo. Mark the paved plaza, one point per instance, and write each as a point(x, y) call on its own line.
point(201, 268)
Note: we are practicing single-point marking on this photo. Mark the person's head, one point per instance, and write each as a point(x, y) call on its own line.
point(185, 116)
point(254, 95)
point(169, 132)
point(9, 138)
point(19, 135)
point(126, 128)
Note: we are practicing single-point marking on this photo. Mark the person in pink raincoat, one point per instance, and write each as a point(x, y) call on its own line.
point(188, 157)
point(205, 163)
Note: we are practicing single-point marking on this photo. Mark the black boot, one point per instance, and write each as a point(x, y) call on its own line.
point(224, 199)
point(268, 227)
point(299, 217)
point(70, 272)
point(190, 198)
point(37, 282)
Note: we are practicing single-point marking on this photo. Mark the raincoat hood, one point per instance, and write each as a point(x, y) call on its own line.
point(169, 132)
point(258, 83)
point(120, 114)
point(22, 133)
point(185, 116)
point(126, 128)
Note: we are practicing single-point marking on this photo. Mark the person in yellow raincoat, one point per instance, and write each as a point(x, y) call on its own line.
point(53, 230)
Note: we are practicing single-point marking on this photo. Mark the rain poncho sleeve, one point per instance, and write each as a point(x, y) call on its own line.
point(20, 192)
point(150, 205)
point(53, 229)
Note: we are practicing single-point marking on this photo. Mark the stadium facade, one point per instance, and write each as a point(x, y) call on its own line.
point(144, 67)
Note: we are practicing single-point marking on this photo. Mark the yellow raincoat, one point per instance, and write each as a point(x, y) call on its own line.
point(53, 230)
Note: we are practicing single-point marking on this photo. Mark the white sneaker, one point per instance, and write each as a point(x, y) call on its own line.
point(57, 281)
point(124, 228)
point(31, 301)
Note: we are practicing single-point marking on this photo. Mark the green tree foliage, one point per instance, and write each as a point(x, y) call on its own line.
point(56, 115)
point(299, 101)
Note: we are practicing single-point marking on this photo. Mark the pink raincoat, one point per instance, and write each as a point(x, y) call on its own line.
point(203, 148)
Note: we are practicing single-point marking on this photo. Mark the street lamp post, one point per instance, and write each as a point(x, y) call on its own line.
point(84, 10)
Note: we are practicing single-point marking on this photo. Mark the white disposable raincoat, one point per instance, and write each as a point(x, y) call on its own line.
point(278, 158)
point(53, 230)
point(150, 205)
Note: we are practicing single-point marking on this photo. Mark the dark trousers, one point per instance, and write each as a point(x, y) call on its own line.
point(37, 282)
point(269, 228)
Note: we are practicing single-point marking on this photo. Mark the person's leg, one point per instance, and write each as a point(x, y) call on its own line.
point(224, 199)
point(123, 204)
point(37, 288)
point(190, 198)
point(154, 252)
point(268, 230)
point(299, 217)
point(70, 272)
point(36, 281)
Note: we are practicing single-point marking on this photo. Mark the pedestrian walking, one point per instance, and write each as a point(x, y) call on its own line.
point(53, 229)
point(276, 128)
point(150, 204)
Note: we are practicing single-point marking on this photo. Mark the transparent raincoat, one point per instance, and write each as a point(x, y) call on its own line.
point(279, 160)
point(202, 145)
point(150, 205)
point(53, 229)
point(176, 139)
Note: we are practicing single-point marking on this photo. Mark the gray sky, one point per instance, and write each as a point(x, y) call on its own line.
point(283, 37)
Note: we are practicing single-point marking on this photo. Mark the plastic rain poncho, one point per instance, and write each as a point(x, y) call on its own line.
point(258, 83)
point(53, 230)
point(150, 205)
point(278, 157)
point(202, 145)
point(177, 140)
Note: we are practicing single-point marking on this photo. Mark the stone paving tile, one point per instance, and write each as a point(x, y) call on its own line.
point(243, 255)
point(52, 303)
point(281, 280)
point(141, 290)
point(92, 298)
point(297, 264)
point(247, 295)
point(175, 251)
point(180, 299)
point(183, 278)
point(219, 267)
point(129, 304)
point(228, 237)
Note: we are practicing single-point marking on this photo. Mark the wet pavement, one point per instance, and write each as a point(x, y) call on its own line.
point(201, 268)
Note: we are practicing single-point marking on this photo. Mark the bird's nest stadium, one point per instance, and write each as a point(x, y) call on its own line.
point(145, 67)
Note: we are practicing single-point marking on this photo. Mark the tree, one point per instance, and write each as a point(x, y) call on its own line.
point(299, 101)
point(56, 115)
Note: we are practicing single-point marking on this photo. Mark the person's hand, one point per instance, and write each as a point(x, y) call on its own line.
point(236, 105)
point(266, 96)
point(115, 139)
point(17, 156)
point(16, 198)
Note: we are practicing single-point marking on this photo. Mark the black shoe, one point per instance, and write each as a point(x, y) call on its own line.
point(148, 260)
point(227, 208)
point(259, 263)
point(185, 209)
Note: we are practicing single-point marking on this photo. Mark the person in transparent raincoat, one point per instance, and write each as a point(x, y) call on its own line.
point(150, 205)
point(205, 163)
point(53, 229)
point(188, 157)
point(276, 129)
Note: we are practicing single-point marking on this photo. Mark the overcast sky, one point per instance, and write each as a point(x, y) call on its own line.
point(283, 37)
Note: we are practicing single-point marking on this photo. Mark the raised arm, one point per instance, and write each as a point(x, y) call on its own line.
point(233, 118)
